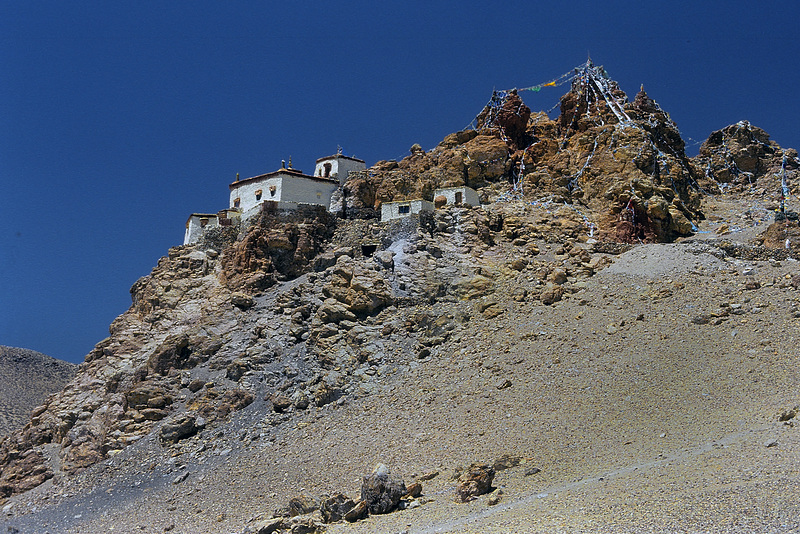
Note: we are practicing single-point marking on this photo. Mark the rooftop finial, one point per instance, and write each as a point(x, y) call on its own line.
point(290, 162)
point(338, 150)
point(283, 164)
point(237, 176)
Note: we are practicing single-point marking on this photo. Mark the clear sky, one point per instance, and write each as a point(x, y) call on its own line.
point(119, 119)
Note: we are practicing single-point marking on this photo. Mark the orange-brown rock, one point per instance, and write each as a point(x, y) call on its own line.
point(279, 245)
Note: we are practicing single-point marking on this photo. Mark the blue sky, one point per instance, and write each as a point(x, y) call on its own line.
point(119, 119)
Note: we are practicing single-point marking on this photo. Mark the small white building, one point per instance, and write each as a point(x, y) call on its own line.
point(338, 167)
point(282, 186)
point(461, 195)
point(403, 208)
point(200, 222)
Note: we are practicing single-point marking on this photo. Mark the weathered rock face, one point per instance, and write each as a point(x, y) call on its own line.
point(125, 386)
point(183, 317)
point(359, 290)
point(279, 246)
point(508, 114)
point(742, 157)
point(622, 163)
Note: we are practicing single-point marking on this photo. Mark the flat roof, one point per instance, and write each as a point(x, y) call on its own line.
point(339, 156)
point(283, 172)
point(452, 187)
point(407, 201)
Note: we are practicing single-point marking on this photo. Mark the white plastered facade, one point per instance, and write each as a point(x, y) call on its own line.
point(283, 187)
point(197, 224)
point(338, 167)
point(403, 208)
point(466, 196)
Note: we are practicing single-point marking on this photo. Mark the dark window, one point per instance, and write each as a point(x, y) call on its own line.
point(272, 190)
point(327, 170)
point(404, 209)
point(236, 202)
point(258, 194)
point(459, 197)
point(203, 222)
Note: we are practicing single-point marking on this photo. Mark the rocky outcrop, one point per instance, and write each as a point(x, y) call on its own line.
point(622, 164)
point(361, 291)
point(183, 323)
point(783, 235)
point(335, 508)
point(742, 156)
point(279, 246)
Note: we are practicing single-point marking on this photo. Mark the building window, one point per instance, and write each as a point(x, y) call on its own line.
point(402, 210)
point(272, 190)
point(459, 197)
point(258, 194)
point(237, 202)
point(203, 222)
point(328, 167)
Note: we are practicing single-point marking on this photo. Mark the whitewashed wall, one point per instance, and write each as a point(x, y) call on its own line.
point(308, 190)
point(391, 210)
point(288, 188)
point(341, 166)
point(195, 228)
point(246, 192)
point(469, 195)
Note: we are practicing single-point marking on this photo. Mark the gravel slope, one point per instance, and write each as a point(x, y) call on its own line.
point(27, 377)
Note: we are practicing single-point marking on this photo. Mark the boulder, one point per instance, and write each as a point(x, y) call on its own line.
point(382, 491)
point(333, 311)
point(242, 300)
point(280, 402)
point(551, 294)
point(181, 427)
point(336, 507)
point(359, 511)
point(302, 504)
point(475, 481)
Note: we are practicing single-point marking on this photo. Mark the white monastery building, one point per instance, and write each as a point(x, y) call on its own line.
point(287, 187)
point(458, 196)
point(199, 222)
point(453, 196)
point(403, 208)
point(338, 167)
point(283, 186)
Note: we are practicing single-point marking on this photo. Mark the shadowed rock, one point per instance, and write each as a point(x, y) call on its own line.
point(381, 491)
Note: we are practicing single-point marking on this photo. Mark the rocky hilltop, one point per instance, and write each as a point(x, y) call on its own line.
point(27, 377)
point(279, 356)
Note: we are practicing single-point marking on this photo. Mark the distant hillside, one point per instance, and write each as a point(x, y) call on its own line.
point(27, 377)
